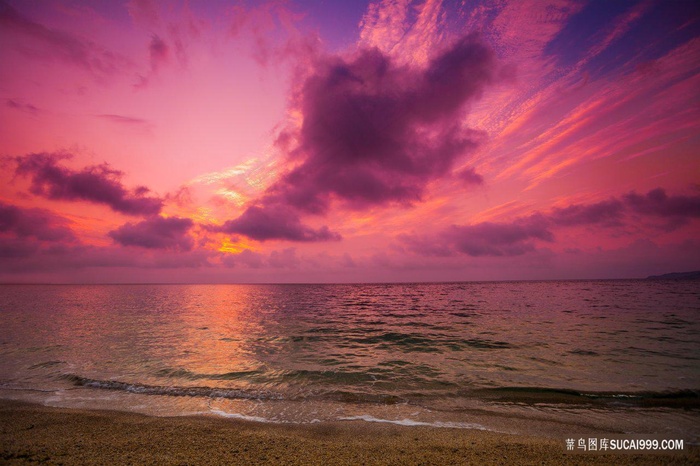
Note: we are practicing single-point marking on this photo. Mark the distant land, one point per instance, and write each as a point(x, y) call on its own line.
point(677, 276)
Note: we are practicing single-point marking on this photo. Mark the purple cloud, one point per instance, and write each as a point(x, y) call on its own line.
point(37, 223)
point(483, 239)
point(470, 176)
point(27, 256)
point(426, 245)
point(38, 41)
point(519, 236)
point(275, 223)
point(17, 105)
point(25, 232)
point(159, 52)
point(156, 233)
point(38, 240)
point(499, 239)
point(99, 184)
point(144, 12)
point(284, 259)
point(606, 212)
point(123, 120)
point(658, 203)
point(374, 133)
point(17, 248)
point(251, 259)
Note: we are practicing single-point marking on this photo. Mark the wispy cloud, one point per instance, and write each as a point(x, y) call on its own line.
point(124, 120)
point(125, 124)
point(269, 27)
point(18, 105)
point(144, 12)
point(40, 42)
point(559, 116)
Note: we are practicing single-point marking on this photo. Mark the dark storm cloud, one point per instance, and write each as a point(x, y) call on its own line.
point(99, 184)
point(156, 233)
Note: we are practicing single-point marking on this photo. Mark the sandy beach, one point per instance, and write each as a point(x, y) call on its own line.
point(34, 433)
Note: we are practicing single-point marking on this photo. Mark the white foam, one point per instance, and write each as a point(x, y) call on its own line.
point(411, 422)
point(243, 417)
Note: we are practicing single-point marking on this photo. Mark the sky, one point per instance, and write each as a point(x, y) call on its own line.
point(310, 141)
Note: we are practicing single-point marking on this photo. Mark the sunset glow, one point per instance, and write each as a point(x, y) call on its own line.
point(302, 141)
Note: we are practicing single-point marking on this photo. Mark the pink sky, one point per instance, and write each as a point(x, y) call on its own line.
point(286, 141)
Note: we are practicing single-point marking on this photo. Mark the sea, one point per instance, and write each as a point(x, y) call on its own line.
point(555, 358)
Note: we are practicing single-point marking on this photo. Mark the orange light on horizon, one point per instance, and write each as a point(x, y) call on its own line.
point(233, 247)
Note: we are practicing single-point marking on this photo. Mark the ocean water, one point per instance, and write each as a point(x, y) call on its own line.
point(572, 356)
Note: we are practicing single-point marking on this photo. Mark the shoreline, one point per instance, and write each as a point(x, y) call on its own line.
point(37, 433)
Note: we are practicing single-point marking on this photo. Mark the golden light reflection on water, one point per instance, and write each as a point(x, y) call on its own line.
point(150, 334)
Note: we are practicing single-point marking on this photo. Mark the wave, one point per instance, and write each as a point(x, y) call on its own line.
point(413, 423)
point(688, 399)
point(185, 374)
point(243, 417)
point(394, 373)
point(235, 393)
point(684, 399)
point(144, 389)
point(363, 417)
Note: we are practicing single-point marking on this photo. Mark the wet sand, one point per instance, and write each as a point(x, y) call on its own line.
point(33, 433)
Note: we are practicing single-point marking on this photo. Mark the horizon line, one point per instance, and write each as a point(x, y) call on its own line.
point(650, 277)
